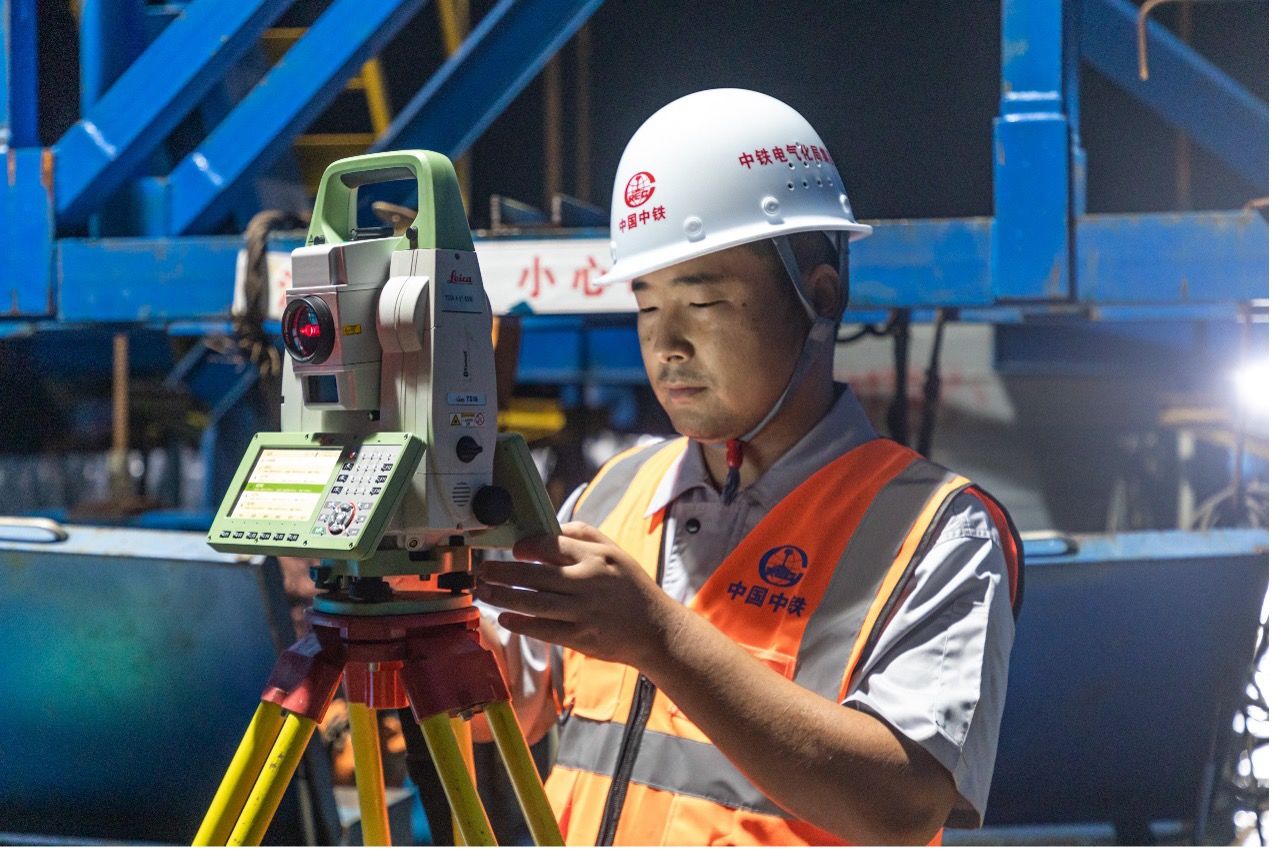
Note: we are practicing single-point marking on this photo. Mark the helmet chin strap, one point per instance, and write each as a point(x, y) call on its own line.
point(821, 334)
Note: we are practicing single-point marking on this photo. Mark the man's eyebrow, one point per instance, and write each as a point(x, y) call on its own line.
point(684, 280)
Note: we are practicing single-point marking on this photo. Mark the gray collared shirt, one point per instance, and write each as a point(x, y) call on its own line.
point(939, 671)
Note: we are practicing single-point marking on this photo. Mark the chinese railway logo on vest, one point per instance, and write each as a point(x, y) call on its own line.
point(783, 566)
point(640, 188)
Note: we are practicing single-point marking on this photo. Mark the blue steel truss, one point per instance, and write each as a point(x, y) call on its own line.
point(1040, 251)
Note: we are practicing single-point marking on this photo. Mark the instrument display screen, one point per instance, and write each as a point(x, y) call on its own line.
point(286, 484)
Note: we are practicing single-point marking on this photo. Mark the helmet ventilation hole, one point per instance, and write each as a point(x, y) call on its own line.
point(791, 186)
point(805, 184)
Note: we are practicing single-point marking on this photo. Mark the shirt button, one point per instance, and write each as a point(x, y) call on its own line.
point(692, 526)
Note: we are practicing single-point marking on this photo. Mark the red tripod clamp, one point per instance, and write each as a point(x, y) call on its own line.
point(432, 661)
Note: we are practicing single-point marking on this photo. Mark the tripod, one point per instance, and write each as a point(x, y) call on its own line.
point(407, 649)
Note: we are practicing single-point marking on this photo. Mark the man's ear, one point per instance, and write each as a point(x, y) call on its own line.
point(824, 284)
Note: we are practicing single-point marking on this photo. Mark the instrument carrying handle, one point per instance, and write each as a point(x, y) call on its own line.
point(440, 217)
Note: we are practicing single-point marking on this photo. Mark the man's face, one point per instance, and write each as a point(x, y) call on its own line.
point(719, 336)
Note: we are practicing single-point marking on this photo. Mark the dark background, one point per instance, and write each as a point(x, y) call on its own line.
point(903, 94)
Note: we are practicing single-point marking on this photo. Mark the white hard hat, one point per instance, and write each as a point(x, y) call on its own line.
point(720, 168)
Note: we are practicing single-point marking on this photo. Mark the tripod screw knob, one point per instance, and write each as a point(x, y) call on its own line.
point(456, 582)
point(492, 505)
point(468, 448)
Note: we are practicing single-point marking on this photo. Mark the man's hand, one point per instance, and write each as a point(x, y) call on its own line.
point(582, 591)
point(843, 770)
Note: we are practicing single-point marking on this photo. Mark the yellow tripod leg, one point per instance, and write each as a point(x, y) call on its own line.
point(244, 768)
point(464, 739)
point(516, 755)
point(461, 793)
point(266, 794)
point(369, 775)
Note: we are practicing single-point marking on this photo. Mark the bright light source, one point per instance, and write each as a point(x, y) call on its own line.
point(1256, 383)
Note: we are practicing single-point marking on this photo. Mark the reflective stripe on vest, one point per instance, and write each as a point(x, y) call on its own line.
point(807, 591)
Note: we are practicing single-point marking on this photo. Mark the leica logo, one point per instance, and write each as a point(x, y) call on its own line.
point(457, 277)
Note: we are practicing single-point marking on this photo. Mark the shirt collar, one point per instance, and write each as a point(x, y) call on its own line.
point(844, 428)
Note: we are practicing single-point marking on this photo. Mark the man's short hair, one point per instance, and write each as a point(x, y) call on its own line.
point(812, 249)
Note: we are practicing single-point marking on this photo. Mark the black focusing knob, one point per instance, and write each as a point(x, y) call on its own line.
point(467, 448)
point(456, 582)
point(492, 505)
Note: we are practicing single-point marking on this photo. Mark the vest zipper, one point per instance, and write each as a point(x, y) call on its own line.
point(638, 716)
point(643, 698)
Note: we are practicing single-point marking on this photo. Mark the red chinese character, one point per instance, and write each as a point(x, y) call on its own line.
point(623, 224)
point(746, 159)
point(763, 156)
point(805, 152)
point(583, 280)
point(632, 220)
point(791, 148)
point(534, 274)
point(827, 157)
point(779, 155)
point(660, 213)
point(818, 154)
point(643, 216)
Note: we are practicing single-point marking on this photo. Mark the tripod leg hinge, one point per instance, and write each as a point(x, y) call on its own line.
point(305, 678)
point(449, 674)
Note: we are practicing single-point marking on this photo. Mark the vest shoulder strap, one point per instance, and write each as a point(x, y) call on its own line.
point(615, 477)
point(918, 542)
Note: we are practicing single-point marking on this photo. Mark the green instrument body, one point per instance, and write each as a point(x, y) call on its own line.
point(291, 487)
point(406, 332)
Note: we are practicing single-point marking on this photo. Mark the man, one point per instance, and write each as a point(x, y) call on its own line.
point(778, 628)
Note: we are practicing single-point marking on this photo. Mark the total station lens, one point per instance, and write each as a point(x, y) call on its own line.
point(308, 331)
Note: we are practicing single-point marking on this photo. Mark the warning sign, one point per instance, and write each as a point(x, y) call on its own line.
point(468, 419)
point(546, 276)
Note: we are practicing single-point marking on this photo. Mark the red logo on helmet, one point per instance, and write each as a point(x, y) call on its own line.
point(640, 188)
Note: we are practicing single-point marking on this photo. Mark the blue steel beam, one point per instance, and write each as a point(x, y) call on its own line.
point(945, 262)
point(1031, 244)
point(295, 91)
point(1184, 89)
point(1072, 29)
point(143, 280)
point(18, 82)
point(26, 235)
point(112, 36)
point(1173, 258)
point(106, 146)
point(504, 52)
point(1181, 264)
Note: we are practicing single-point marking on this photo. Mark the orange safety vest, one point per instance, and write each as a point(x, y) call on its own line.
point(821, 571)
